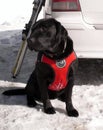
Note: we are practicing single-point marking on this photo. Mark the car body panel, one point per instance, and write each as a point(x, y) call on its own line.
point(85, 26)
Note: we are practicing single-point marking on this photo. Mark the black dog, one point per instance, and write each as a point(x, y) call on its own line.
point(53, 76)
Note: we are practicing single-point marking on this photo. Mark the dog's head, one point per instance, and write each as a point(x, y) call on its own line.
point(48, 35)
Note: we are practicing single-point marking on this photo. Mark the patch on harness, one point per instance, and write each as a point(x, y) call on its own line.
point(61, 63)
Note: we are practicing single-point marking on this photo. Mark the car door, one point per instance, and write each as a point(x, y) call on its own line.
point(92, 15)
point(92, 11)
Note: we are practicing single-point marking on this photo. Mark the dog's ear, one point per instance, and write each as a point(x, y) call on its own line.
point(61, 33)
point(34, 26)
point(58, 32)
point(64, 33)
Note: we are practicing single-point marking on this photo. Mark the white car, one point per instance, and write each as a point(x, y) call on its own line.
point(84, 21)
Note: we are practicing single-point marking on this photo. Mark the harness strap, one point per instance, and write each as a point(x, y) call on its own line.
point(61, 69)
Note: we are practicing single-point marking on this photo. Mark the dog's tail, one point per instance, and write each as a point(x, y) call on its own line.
point(14, 92)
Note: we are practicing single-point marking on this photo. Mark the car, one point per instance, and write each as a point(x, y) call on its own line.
point(84, 21)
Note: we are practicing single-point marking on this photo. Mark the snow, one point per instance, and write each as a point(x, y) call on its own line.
point(14, 113)
point(15, 13)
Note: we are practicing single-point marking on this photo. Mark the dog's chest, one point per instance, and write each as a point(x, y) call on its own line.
point(61, 69)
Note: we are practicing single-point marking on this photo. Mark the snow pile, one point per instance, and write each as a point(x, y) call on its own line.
point(16, 23)
point(14, 14)
point(15, 115)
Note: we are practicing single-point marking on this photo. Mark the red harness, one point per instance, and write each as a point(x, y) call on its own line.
point(61, 69)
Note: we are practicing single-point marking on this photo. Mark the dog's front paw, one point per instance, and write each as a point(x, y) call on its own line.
point(50, 110)
point(73, 113)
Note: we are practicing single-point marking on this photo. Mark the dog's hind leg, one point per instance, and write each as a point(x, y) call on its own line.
point(30, 101)
point(32, 90)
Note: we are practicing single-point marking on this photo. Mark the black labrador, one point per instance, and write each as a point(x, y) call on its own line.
point(53, 76)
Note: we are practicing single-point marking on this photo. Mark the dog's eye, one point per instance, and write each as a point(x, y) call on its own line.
point(43, 29)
